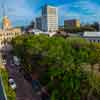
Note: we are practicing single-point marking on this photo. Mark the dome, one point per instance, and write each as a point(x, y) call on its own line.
point(6, 23)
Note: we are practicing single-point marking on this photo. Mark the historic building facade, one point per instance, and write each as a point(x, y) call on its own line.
point(7, 32)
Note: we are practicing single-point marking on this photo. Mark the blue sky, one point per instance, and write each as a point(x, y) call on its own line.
point(21, 12)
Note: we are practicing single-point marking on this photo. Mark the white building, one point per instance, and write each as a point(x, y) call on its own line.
point(38, 32)
point(49, 18)
point(92, 36)
point(35, 31)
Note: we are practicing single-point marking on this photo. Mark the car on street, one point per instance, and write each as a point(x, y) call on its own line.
point(12, 63)
point(3, 61)
point(12, 83)
point(16, 60)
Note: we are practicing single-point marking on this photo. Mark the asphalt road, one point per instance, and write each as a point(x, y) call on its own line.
point(23, 87)
point(2, 97)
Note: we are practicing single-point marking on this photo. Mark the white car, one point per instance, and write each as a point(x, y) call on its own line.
point(3, 62)
point(16, 60)
point(12, 83)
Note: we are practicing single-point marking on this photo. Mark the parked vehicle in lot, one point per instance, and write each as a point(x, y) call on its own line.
point(12, 83)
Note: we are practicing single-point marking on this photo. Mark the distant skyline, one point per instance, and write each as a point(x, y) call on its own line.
point(22, 12)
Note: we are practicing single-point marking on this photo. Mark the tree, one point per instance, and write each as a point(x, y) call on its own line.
point(96, 26)
point(59, 63)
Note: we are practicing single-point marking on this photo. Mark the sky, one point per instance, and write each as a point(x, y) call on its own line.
point(22, 12)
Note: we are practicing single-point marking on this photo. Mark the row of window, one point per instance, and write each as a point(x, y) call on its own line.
point(3, 43)
point(98, 41)
point(6, 40)
point(9, 37)
point(9, 34)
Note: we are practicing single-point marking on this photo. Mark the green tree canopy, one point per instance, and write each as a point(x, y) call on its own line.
point(60, 63)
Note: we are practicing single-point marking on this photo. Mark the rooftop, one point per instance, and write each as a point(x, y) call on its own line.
point(91, 34)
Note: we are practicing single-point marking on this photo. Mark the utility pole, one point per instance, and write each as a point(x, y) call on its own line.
point(3, 12)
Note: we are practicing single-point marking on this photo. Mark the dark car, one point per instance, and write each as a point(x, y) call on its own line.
point(40, 90)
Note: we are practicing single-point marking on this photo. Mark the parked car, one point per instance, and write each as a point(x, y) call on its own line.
point(3, 62)
point(40, 90)
point(12, 83)
point(12, 63)
point(16, 60)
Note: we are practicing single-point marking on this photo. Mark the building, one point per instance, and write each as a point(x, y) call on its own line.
point(31, 26)
point(49, 18)
point(39, 23)
point(72, 23)
point(7, 33)
point(92, 36)
point(96, 25)
point(35, 31)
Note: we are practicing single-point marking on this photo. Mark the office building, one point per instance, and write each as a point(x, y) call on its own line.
point(74, 23)
point(49, 18)
point(39, 23)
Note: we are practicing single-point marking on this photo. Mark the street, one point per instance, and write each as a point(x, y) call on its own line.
point(23, 87)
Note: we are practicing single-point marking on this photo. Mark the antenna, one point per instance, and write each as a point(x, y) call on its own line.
point(3, 12)
point(3, 9)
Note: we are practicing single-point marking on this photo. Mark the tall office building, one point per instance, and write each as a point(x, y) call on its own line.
point(49, 18)
point(39, 23)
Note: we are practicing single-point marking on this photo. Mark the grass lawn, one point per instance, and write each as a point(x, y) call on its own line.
point(10, 93)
